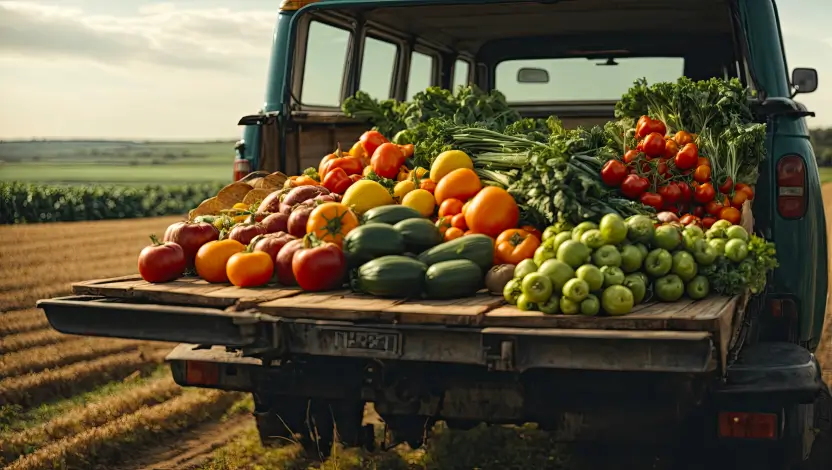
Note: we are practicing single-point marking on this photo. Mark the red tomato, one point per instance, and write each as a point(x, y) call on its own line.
point(738, 199)
point(683, 138)
point(631, 156)
point(713, 207)
point(450, 207)
point(386, 160)
point(191, 236)
point(689, 219)
point(670, 193)
point(250, 269)
point(613, 173)
point(699, 211)
point(162, 262)
point(671, 148)
point(702, 174)
point(685, 192)
point(371, 140)
point(647, 126)
point(703, 161)
point(727, 185)
point(654, 145)
point(746, 189)
point(634, 186)
point(707, 222)
point(320, 267)
point(731, 214)
point(704, 193)
point(687, 157)
point(662, 169)
point(458, 221)
point(652, 200)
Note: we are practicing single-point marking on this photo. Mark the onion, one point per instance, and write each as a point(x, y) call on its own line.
point(191, 236)
point(667, 217)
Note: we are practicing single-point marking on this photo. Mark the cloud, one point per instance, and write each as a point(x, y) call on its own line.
point(160, 34)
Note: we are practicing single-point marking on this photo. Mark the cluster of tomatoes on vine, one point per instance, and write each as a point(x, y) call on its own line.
point(668, 174)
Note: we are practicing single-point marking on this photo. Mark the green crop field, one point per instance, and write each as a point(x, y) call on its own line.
point(112, 162)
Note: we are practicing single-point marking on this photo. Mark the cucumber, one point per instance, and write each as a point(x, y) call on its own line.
point(451, 279)
point(391, 214)
point(419, 234)
point(368, 242)
point(391, 276)
point(477, 248)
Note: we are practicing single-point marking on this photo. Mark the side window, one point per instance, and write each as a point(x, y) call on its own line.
point(461, 71)
point(323, 71)
point(377, 68)
point(421, 73)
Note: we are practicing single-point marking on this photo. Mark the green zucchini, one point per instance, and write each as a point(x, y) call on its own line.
point(368, 242)
point(451, 279)
point(476, 247)
point(390, 214)
point(419, 234)
point(391, 276)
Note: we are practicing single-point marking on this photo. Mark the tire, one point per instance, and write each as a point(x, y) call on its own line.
point(278, 418)
point(330, 420)
point(413, 429)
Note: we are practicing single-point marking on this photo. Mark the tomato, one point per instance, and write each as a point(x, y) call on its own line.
point(443, 224)
point(453, 233)
point(245, 233)
point(690, 219)
point(450, 207)
point(386, 160)
point(687, 157)
point(325, 161)
point(652, 200)
point(514, 245)
point(647, 126)
point(331, 222)
point(731, 214)
point(350, 165)
point(727, 185)
point(461, 184)
point(746, 189)
point(428, 185)
point(671, 148)
point(739, 198)
point(685, 192)
point(704, 193)
point(271, 243)
point(250, 269)
point(534, 231)
point(631, 156)
point(670, 193)
point(491, 211)
point(407, 150)
point(699, 211)
point(162, 262)
point(458, 221)
point(713, 207)
point(190, 236)
point(371, 140)
point(662, 169)
point(634, 186)
point(319, 266)
point(702, 174)
point(707, 222)
point(337, 180)
point(613, 173)
point(683, 138)
point(703, 161)
point(212, 258)
point(465, 206)
point(654, 145)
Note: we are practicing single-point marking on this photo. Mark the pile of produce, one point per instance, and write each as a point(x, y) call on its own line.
point(469, 195)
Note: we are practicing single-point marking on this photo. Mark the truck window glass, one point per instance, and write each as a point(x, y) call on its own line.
point(323, 71)
point(580, 79)
point(421, 73)
point(377, 67)
point(461, 70)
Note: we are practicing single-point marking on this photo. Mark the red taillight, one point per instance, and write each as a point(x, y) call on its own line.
point(734, 424)
point(242, 167)
point(782, 308)
point(201, 373)
point(791, 187)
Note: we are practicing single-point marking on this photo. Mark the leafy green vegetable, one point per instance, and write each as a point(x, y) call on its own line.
point(312, 173)
point(729, 278)
point(388, 183)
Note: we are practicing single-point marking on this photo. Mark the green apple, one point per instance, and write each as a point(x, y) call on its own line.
point(512, 291)
point(607, 255)
point(684, 265)
point(582, 227)
point(573, 253)
point(631, 258)
point(523, 268)
point(690, 235)
point(560, 238)
point(558, 272)
point(524, 304)
point(669, 288)
point(658, 262)
point(640, 229)
point(592, 238)
point(668, 237)
point(612, 276)
point(736, 232)
point(569, 307)
point(642, 248)
point(617, 300)
point(551, 306)
point(537, 287)
point(637, 286)
point(590, 305)
point(698, 288)
point(592, 275)
point(704, 254)
point(543, 252)
point(718, 244)
point(576, 290)
point(613, 229)
point(736, 250)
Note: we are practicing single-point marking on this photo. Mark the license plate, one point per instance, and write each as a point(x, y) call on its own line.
point(368, 341)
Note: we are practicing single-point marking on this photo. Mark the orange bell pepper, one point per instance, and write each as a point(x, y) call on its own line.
point(407, 150)
point(514, 245)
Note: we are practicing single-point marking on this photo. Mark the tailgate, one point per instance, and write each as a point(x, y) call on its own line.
point(532, 343)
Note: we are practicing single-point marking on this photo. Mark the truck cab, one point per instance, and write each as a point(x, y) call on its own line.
point(747, 395)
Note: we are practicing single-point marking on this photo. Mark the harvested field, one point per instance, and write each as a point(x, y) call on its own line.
point(83, 403)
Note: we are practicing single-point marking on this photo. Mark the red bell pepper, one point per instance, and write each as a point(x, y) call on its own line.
point(350, 165)
point(337, 181)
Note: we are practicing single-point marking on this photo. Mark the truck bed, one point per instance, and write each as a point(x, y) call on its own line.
point(194, 311)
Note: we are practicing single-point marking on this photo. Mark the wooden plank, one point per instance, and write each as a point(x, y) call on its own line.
point(464, 311)
point(337, 305)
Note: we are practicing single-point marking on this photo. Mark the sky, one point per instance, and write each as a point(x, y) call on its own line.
point(189, 69)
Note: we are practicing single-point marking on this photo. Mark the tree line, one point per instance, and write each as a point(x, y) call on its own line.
point(822, 143)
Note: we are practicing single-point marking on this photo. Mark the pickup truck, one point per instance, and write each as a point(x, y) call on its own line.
point(729, 381)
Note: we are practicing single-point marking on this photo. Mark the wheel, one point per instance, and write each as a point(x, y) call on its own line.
point(328, 420)
point(278, 418)
point(413, 430)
